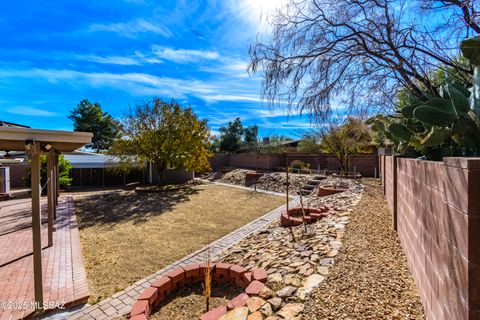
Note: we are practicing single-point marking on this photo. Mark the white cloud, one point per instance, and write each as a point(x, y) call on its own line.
point(124, 61)
point(29, 111)
point(136, 83)
point(183, 55)
point(136, 59)
point(132, 28)
point(231, 97)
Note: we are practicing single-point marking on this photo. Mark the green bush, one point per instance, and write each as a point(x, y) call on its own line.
point(64, 168)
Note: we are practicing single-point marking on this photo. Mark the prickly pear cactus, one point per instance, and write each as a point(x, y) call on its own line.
point(471, 50)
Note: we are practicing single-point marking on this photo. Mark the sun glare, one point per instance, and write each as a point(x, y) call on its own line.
point(258, 11)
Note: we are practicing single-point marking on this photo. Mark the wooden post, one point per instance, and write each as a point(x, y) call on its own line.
point(286, 165)
point(57, 180)
point(36, 227)
point(50, 196)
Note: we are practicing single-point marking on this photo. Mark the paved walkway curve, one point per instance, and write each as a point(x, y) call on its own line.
point(121, 302)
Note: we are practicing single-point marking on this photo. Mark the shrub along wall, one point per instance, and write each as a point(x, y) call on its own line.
point(436, 212)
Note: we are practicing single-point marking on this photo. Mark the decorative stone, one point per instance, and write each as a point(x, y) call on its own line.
point(255, 303)
point(274, 280)
point(265, 293)
point(255, 316)
point(276, 303)
point(332, 253)
point(292, 280)
point(327, 262)
point(235, 314)
point(266, 309)
point(291, 310)
point(323, 270)
point(287, 291)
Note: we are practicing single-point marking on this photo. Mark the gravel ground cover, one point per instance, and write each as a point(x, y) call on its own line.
point(273, 181)
point(371, 279)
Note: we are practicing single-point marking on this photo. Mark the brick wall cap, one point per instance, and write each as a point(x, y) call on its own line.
point(139, 307)
point(160, 282)
point(462, 162)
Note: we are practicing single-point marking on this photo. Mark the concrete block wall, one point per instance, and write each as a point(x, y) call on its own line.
point(438, 222)
point(367, 165)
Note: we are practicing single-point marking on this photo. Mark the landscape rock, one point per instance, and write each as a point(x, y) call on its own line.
point(236, 314)
point(291, 310)
point(274, 280)
point(255, 316)
point(265, 293)
point(276, 303)
point(287, 291)
point(266, 309)
point(255, 303)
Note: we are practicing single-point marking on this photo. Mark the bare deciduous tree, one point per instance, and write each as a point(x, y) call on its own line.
point(359, 52)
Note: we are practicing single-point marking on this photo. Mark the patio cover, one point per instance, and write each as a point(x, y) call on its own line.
point(35, 142)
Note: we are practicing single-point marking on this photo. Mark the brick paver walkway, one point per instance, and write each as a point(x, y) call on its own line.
point(64, 276)
point(121, 303)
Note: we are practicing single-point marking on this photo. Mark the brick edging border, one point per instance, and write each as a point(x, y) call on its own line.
point(295, 216)
point(252, 281)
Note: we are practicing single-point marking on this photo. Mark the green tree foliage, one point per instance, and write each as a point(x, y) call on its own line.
point(90, 117)
point(163, 133)
point(351, 138)
point(441, 126)
point(250, 134)
point(231, 136)
point(311, 142)
point(64, 167)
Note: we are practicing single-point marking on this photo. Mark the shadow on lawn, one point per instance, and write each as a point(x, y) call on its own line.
point(121, 206)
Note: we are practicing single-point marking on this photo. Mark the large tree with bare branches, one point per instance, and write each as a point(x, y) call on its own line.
point(360, 52)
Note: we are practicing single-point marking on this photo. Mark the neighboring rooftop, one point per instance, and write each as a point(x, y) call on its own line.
point(11, 124)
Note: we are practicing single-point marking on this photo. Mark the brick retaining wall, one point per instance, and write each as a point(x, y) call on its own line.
point(437, 211)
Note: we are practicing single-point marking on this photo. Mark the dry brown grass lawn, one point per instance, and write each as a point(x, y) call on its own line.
point(128, 236)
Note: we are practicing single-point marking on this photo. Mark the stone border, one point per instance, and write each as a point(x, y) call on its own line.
point(252, 281)
point(295, 216)
point(121, 302)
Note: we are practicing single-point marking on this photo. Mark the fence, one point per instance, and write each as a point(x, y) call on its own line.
point(436, 212)
point(366, 165)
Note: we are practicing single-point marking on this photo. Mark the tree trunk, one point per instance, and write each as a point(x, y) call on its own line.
point(160, 173)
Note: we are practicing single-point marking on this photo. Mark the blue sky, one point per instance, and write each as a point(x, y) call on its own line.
point(55, 53)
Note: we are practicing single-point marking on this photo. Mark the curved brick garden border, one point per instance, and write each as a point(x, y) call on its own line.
point(294, 217)
point(324, 191)
point(252, 281)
